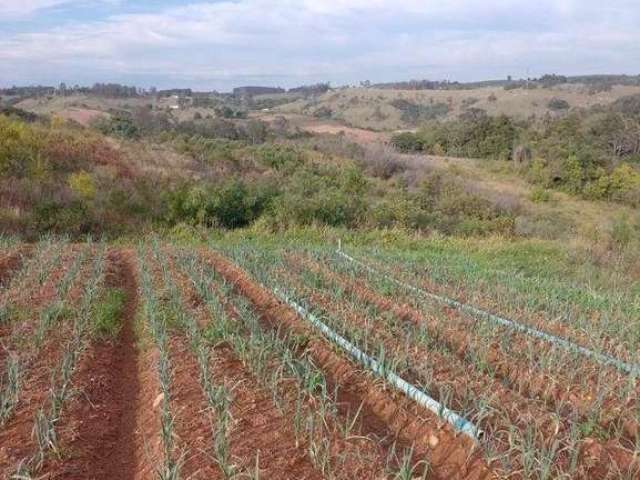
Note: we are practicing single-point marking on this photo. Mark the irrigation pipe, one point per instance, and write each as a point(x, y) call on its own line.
point(483, 314)
point(459, 423)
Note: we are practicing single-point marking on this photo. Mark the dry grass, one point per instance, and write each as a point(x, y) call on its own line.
point(370, 108)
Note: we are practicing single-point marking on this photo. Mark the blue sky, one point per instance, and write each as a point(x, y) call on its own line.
point(225, 43)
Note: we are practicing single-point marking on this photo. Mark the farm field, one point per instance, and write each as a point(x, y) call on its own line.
point(173, 360)
point(246, 240)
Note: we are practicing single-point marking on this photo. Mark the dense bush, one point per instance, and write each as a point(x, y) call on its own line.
point(20, 148)
point(206, 151)
point(119, 126)
point(558, 104)
point(281, 157)
point(579, 153)
point(324, 195)
point(413, 113)
point(407, 142)
point(69, 180)
point(230, 205)
point(478, 137)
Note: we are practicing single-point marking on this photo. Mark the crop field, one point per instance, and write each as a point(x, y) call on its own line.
point(253, 361)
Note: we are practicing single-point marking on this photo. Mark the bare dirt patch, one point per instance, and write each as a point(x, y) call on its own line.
point(83, 116)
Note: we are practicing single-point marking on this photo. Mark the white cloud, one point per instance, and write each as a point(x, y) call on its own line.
point(341, 40)
point(22, 8)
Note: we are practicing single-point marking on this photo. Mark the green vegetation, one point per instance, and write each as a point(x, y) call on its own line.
point(66, 179)
point(592, 153)
point(534, 282)
point(476, 137)
point(540, 227)
point(107, 312)
point(119, 126)
point(413, 113)
point(62, 179)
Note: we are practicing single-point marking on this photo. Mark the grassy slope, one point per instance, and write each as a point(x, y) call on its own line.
point(563, 217)
point(357, 106)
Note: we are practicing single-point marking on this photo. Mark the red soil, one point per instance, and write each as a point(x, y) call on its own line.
point(259, 431)
point(193, 419)
point(16, 442)
point(104, 429)
point(385, 415)
point(553, 390)
point(606, 459)
point(84, 116)
point(11, 262)
point(29, 299)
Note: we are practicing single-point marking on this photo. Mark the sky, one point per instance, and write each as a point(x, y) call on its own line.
point(225, 43)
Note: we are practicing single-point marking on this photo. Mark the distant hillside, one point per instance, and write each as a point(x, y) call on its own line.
point(386, 109)
point(598, 81)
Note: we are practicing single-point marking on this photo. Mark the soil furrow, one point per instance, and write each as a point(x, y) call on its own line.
point(38, 364)
point(384, 415)
point(194, 422)
point(16, 337)
point(99, 430)
point(520, 378)
point(259, 432)
point(506, 407)
point(16, 443)
point(11, 262)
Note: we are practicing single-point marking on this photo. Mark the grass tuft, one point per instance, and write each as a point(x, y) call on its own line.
point(108, 312)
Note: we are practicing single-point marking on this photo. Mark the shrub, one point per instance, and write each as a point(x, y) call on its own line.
point(323, 112)
point(628, 105)
point(382, 162)
point(235, 206)
point(81, 183)
point(230, 205)
point(54, 216)
point(407, 142)
point(326, 195)
point(211, 128)
point(558, 104)
point(481, 137)
point(540, 195)
point(438, 150)
point(118, 126)
point(256, 131)
point(572, 174)
point(621, 185)
point(413, 113)
point(280, 157)
point(20, 147)
point(623, 231)
point(19, 114)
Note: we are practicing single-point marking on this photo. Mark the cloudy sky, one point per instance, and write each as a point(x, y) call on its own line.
point(226, 43)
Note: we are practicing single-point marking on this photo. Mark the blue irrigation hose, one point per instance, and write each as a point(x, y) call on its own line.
point(632, 369)
point(458, 422)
